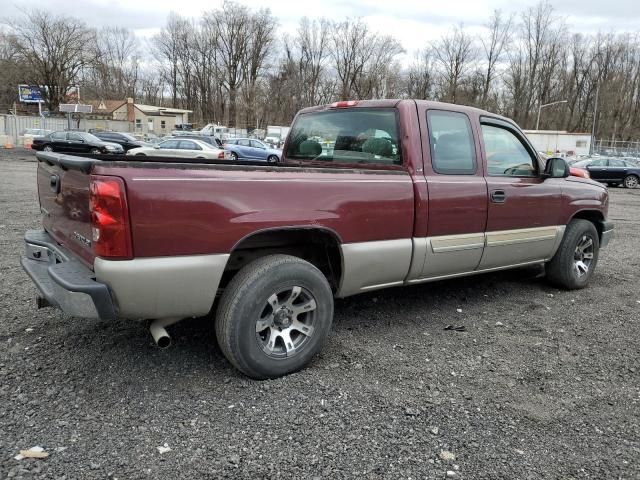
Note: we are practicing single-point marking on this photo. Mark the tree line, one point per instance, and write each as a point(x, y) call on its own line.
point(232, 66)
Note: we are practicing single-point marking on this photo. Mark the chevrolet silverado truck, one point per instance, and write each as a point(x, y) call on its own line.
point(368, 195)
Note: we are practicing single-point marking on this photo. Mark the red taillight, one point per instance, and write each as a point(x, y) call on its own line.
point(345, 104)
point(110, 230)
point(221, 155)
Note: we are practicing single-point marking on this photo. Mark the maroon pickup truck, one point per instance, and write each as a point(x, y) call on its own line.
point(368, 195)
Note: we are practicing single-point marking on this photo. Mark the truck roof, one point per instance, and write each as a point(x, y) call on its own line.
point(390, 103)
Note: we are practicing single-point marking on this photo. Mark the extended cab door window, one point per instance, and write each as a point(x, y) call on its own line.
point(452, 145)
point(506, 155)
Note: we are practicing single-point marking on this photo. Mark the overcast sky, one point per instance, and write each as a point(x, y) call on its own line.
point(412, 22)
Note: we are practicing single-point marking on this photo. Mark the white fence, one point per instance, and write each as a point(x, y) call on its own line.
point(14, 125)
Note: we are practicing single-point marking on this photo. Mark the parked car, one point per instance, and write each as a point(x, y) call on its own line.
point(125, 140)
point(213, 141)
point(36, 132)
point(250, 149)
point(412, 191)
point(147, 138)
point(612, 171)
point(182, 148)
point(74, 142)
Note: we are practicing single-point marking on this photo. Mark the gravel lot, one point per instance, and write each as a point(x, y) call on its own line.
point(551, 391)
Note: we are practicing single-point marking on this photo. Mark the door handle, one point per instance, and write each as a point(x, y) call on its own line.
point(498, 196)
point(54, 183)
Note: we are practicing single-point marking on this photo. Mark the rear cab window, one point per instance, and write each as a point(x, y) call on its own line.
point(346, 136)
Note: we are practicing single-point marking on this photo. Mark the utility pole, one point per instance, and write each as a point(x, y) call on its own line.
point(593, 125)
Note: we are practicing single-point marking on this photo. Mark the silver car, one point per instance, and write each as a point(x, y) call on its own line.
point(182, 148)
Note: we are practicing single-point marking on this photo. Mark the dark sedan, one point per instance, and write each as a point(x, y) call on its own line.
point(74, 142)
point(612, 171)
point(125, 140)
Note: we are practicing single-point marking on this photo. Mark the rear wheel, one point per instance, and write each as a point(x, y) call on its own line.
point(48, 148)
point(630, 181)
point(573, 264)
point(274, 316)
point(272, 158)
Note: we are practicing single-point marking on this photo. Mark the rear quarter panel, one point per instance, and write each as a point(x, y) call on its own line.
point(198, 210)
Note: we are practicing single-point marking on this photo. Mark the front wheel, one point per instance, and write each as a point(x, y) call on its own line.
point(573, 264)
point(630, 181)
point(234, 156)
point(272, 158)
point(95, 151)
point(48, 148)
point(274, 316)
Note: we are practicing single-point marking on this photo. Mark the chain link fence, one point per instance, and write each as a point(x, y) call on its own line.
point(617, 148)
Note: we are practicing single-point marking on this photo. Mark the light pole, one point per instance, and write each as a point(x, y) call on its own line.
point(547, 105)
point(593, 125)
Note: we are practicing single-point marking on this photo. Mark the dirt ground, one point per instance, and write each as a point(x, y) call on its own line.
point(543, 384)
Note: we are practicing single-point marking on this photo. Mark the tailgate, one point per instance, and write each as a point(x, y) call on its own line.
point(64, 202)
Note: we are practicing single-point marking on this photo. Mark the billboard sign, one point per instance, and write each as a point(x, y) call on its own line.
point(33, 94)
point(30, 94)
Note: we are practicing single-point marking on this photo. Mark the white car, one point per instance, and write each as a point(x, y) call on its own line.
point(183, 148)
point(36, 132)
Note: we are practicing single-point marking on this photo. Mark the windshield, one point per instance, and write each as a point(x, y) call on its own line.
point(128, 137)
point(89, 137)
point(582, 163)
point(355, 135)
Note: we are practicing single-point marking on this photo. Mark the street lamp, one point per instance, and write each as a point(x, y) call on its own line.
point(547, 105)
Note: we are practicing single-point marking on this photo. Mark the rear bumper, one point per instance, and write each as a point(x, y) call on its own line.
point(607, 234)
point(63, 281)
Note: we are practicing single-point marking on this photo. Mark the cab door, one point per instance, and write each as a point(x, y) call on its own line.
point(524, 214)
point(457, 193)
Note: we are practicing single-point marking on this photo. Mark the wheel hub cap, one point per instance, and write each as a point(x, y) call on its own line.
point(282, 318)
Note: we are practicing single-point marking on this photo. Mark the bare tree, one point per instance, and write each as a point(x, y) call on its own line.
point(114, 73)
point(493, 45)
point(421, 75)
point(455, 54)
point(233, 25)
point(53, 50)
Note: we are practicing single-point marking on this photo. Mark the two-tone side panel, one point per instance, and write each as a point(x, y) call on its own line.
point(457, 195)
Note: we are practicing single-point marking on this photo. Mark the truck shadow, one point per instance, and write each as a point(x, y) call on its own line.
point(194, 350)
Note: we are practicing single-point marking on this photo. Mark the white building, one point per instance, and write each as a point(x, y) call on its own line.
point(560, 141)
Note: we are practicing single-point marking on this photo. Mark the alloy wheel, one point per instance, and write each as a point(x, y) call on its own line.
point(583, 256)
point(286, 323)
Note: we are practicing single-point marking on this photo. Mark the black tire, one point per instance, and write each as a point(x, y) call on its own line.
point(234, 156)
point(563, 270)
point(272, 159)
point(47, 148)
point(140, 155)
point(630, 181)
point(245, 304)
point(95, 151)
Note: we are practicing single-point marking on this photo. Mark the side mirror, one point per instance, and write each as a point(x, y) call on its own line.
point(556, 168)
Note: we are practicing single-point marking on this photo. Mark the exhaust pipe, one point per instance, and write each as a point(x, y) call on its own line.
point(159, 333)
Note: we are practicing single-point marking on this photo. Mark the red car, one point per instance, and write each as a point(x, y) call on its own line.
point(368, 195)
